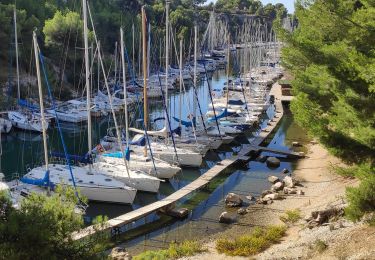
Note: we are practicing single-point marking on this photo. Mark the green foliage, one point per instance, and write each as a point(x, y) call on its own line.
point(247, 245)
point(362, 198)
point(320, 246)
point(175, 251)
point(41, 228)
point(332, 58)
point(291, 216)
point(347, 172)
point(63, 29)
point(59, 28)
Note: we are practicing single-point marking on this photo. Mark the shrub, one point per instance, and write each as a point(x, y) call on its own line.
point(291, 216)
point(362, 198)
point(346, 172)
point(247, 245)
point(41, 228)
point(320, 246)
point(186, 248)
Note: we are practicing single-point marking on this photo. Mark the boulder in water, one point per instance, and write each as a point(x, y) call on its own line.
point(273, 162)
point(233, 200)
point(225, 218)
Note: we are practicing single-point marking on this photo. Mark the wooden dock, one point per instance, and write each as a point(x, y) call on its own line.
point(197, 184)
point(288, 154)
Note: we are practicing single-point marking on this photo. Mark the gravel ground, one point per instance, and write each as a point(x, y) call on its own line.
point(323, 189)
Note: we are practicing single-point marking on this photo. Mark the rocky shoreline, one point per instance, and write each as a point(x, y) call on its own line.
point(319, 195)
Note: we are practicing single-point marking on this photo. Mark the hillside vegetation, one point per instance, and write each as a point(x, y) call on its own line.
point(331, 55)
point(59, 29)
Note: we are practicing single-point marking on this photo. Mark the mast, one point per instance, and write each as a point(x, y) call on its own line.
point(148, 49)
point(181, 79)
point(228, 64)
point(195, 69)
point(144, 47)
point(133, 50)
point(98, 46)
point(16, 44)
point(116, 46)
point(124, 84)
point(87, 78)
point(109, 96)
point(166, 57)
point(139, 54)
point(36, 53)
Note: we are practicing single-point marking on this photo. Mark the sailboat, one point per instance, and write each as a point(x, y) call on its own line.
point(23, 119)
point(121, 171)
point(162, 151)
point(152, 166)
point(165, 151)
point(94, 186)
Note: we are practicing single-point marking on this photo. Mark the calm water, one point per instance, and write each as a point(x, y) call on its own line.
point(208, 204)
point(21, 150)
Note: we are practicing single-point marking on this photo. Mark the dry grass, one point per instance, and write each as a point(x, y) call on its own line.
point(186, 248)
point(291, 216)
point(247, 245)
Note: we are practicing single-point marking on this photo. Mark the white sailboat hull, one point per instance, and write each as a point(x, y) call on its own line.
point(22, 121)
point(137, 162)
point(70, 117)
point(94, 186)
point(110, 195)
point(165, 153)
point(136, 179)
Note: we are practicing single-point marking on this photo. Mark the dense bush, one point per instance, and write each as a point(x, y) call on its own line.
point(331, 55)
point(362, 198)
point(41, 229)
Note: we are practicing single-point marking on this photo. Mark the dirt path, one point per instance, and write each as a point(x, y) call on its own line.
point(323, 188)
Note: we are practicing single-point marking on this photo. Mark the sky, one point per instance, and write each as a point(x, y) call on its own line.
point(289, 4)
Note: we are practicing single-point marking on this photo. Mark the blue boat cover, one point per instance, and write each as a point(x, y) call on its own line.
point(119, 154)
point(139, 142)
point(127, 154)
point(224, 113)
point(45, 182)
point(186, 123)
point(25, 103)
point(177, 131)
point(235, 102)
